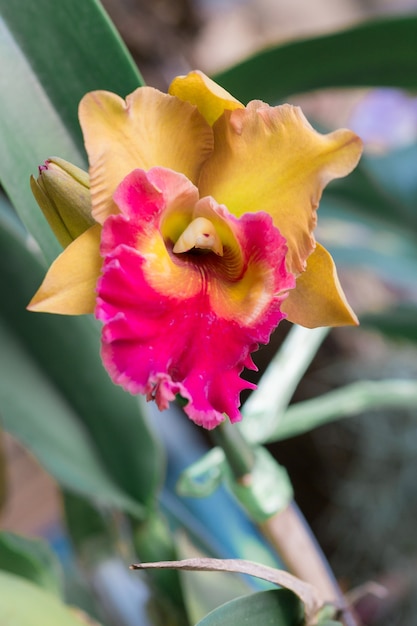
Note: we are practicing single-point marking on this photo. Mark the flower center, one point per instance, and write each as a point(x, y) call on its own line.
point(200, 234)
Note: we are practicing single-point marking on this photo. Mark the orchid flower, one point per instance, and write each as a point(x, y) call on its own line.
point(204, 212)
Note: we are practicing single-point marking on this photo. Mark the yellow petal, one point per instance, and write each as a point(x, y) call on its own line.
point(318, 298)
point(69, 286)
point(149, 129)
point(271, 159)
point(210, 99)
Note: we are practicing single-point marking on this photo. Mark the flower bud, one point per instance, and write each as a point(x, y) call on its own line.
point(62, 191)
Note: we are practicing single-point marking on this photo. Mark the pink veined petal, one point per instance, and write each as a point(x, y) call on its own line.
point(162, 348)
point(196, 340)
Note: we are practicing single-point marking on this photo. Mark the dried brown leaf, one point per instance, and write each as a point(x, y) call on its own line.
point(308, 594)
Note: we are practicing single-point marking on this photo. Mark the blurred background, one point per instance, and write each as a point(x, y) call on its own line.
point(355, 480)
point(170, 37)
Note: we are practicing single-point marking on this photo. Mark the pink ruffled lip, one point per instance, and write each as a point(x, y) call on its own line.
point(186, 324)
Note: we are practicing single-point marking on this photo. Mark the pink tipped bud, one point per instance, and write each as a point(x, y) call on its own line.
point(62, 191)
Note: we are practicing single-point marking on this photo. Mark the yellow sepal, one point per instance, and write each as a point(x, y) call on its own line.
point(318, 298)
point(69, 286)
point(210, 99)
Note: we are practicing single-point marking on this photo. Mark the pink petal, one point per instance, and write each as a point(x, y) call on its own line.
point(177, 324)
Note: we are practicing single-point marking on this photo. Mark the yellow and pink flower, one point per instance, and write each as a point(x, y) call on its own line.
point(203, 240)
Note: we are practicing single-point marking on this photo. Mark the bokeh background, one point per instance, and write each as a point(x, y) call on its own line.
point(355, 480)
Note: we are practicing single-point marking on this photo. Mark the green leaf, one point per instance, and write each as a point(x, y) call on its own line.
point(279, 381)
point(394, 173)
point(72, 48)
point(348, 401)
point(277, 606)
point(3, 473)
point(30, 130)
point(65, 360)
point(50, 57)
point(269, 490)
point(92, 534)
point(355, 238)
point(382, 188)
point(363, 195)
point(379, 53)
point(45, 424)
point(24, 604)
point(32, 559)
point(153, 540)
point(399, 322)
point(326, 616)
point(203, 477)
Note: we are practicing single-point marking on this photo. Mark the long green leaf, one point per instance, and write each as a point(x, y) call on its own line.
point(32, 559)
point(395, 174)
point(3, 473)
point(279, 382)
point(24, 604)
point(360, 241)
point(277, 606)
point(66, 349)
point(30, 131)
point(383, 188)
point(348, 401)
point(87, 525)
point(365, 196)
point(41, 419)
point(399, 322)
point(72, 47)
point(382, 52)
point(51, 54)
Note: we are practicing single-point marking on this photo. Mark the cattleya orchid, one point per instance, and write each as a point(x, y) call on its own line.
point(202, 241)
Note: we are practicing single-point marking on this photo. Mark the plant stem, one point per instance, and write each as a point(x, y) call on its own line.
point(238, 452)
point(291, 537)
point(286, 530)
